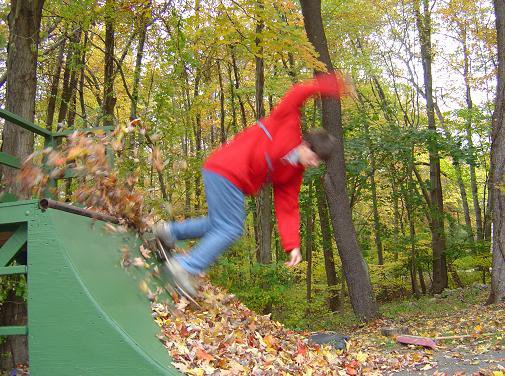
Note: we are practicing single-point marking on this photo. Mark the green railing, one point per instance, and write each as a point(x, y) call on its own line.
point(50, 138)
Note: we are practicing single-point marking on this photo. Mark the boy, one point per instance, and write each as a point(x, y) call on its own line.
point(271, 151)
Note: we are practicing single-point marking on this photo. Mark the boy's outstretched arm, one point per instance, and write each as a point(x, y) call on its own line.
point(287, 211)
point(326, 84)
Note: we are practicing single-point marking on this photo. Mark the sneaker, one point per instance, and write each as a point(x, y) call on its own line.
point(174, 274)
point(163, 235)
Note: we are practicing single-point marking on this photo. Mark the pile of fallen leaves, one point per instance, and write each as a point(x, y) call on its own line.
point(99, 188)
point(224, 337)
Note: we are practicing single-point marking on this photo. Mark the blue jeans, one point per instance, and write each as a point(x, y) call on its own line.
point(223, 225)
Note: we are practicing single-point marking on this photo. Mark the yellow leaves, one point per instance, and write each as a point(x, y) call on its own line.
point(498, 373)
point(76, 152)
point(235, 367)
point(196, 372)
point(271, 342)
point(144, 287)
point(477, 329)
point(361, 357)
point(426, 367)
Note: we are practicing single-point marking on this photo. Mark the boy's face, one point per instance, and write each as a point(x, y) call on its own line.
point(307, 158)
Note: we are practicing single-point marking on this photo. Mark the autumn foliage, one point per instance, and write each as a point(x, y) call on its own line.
point(99, 188)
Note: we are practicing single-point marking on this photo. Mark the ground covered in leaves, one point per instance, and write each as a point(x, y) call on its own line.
point(224, 337)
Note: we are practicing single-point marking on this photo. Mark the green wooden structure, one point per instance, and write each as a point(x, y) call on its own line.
point(86, 313)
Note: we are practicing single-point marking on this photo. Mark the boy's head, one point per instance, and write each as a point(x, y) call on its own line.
point(317, 146)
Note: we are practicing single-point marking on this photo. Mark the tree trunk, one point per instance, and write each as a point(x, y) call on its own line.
point(14, 350)
point(421, 279)
point(234, 123)
point(469, 105)
point(356, 272)
point(413, 253)
point(464, 199)
point(396, 214)
point(264, 197)
point(488, 214)
point(65, 90)
point(309, 229)
point(187, 180)
point(53, 92)
point(24, 25)
point(222, 113)
point(237, 87)
point(437, 207)
point(497, 294)
point(137, 71)
point(81, 79)
point(72, 85)
point(198, 140)
point(373, 188)
point(334, 302)
point(109, 100)
point(264, 224)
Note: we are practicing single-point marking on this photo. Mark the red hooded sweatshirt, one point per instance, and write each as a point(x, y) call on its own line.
point(259, 155)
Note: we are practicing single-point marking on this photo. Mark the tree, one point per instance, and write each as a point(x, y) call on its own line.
point(423, 20)
point(497, 294)
point(109, 100)
point(329, 263)
point(264, 197)
point(356, 273)
point(24, 26)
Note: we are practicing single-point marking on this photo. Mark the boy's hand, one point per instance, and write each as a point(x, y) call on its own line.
point(331, 84)
point(295, 257)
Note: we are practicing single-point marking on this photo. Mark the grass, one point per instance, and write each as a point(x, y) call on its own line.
point(294, 312)
point(444, 303)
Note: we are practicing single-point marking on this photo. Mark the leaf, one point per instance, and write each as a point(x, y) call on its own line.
point(361, 357)
point(138, 262)
point(270, 341)
point(75, 152)
point(203, 355)
point(146, 253)
point(301, 348)
point(144, 287)
point(351, 370)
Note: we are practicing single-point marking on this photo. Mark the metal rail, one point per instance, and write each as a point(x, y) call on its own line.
point(46, 203)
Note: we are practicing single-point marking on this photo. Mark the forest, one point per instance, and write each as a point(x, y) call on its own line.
point(407, 209)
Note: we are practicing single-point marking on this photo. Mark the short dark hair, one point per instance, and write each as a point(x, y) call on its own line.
point(321, 142)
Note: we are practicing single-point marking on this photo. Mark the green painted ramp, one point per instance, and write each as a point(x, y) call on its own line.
point(86, 314)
